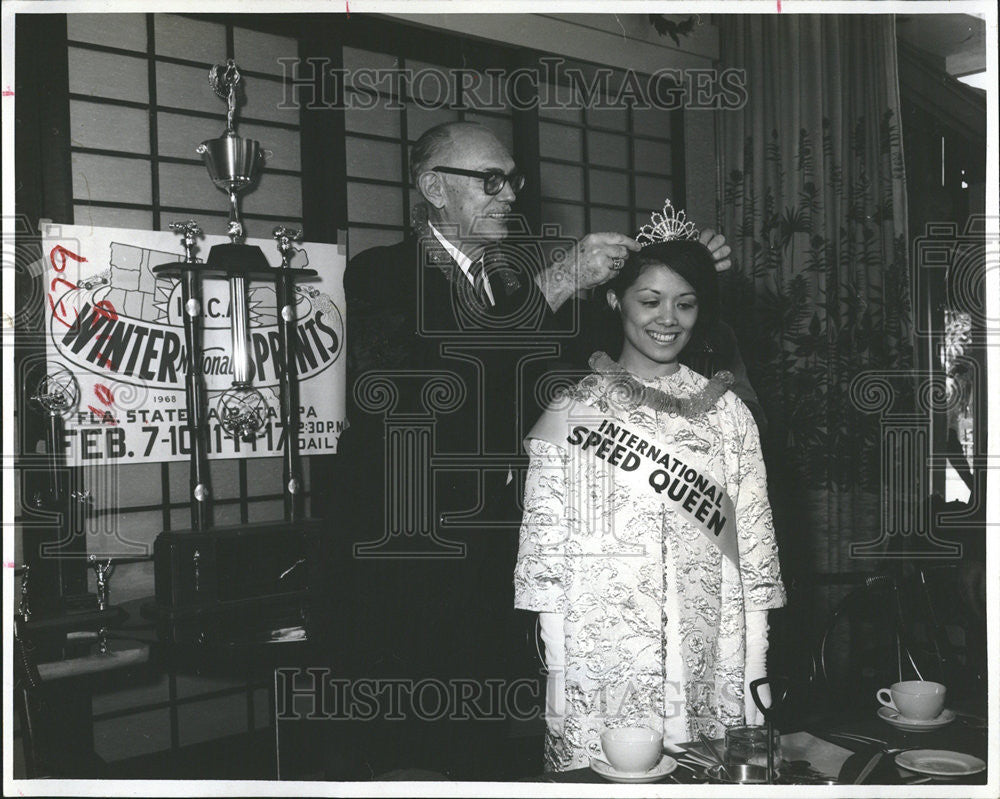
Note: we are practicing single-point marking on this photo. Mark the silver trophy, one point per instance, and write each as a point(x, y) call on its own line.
point(199, 571)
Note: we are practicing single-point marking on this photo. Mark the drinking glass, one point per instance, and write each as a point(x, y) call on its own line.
point(749, 745)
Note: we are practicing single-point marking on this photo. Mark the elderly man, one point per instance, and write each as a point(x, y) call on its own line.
point(447, 335)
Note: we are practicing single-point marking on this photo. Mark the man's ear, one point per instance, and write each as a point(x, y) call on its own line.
point(613, 300)
point(431, 186)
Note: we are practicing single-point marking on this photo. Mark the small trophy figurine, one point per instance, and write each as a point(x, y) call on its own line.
point(103, 573)
point(189, 231)
point(23, 608)
point(286, 238)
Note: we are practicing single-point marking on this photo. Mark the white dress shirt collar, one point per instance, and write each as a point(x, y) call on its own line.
point(464, 261)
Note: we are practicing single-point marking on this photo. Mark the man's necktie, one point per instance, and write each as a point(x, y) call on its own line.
point(478, 273)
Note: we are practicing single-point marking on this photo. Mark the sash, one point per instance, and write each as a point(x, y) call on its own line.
point(682, 484)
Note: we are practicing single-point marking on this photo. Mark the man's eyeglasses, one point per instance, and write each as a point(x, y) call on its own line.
point(493, 179)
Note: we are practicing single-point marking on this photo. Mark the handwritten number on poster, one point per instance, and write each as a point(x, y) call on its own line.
point(103, 309)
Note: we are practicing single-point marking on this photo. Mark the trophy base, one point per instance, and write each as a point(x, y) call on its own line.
point(236, 259)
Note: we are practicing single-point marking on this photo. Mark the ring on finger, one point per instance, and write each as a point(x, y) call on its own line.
point(617, 264)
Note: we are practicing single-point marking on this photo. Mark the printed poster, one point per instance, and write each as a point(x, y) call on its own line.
point(118, 329)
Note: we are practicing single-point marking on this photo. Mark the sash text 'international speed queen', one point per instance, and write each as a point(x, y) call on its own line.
point(681, 484)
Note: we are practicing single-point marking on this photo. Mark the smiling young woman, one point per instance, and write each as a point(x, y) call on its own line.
point(647, 544)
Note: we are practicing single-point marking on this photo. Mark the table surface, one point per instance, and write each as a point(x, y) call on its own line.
point(967, 734)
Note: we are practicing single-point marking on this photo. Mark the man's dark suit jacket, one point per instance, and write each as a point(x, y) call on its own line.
point(461, 377)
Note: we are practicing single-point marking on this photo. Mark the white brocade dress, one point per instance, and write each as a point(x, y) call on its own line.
point(654, 614)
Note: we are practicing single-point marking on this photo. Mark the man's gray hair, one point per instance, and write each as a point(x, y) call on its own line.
point(433, 142)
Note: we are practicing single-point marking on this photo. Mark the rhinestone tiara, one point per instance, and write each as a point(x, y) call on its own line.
point(666, 226)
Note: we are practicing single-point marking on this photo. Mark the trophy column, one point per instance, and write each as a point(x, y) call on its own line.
point(291, 472)
point(194, 386)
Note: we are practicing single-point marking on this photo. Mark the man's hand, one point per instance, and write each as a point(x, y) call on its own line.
point(595, 255)
point(716, 244)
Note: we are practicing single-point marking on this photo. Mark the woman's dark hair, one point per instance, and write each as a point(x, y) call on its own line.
point(693, 261)
point(689, 259)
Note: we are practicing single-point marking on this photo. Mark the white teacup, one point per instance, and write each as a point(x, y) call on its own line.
point(919, 700)
point(632, 750)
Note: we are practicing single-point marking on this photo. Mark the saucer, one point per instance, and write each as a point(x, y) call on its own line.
point(659, 771)
point(940, 762)
point(890, 716)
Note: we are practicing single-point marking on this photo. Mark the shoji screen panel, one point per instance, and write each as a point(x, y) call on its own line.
point(605, 165)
